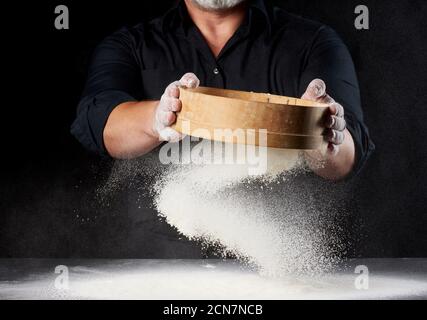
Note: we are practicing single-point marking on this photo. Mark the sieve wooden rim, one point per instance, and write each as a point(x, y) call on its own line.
point(290, 122)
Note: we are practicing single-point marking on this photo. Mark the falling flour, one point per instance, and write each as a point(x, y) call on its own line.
point(269, 220)
point(284, 221)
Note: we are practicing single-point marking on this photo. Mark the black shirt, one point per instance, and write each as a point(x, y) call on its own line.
point(272, 51)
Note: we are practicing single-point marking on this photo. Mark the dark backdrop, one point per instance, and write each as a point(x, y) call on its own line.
point(48, 198)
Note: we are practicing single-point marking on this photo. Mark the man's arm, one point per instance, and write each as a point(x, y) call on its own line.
point(110, 119)
point(113, 79)
point(135, 128)
point(348, 139)
point(129, 132)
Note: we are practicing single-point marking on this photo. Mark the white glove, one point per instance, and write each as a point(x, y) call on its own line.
point(335, 123)
point(169, 103)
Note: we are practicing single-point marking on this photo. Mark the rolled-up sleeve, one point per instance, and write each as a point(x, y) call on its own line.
point(113, 79)
point(329, 59)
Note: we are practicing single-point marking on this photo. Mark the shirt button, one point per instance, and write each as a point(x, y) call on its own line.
point(216, 71)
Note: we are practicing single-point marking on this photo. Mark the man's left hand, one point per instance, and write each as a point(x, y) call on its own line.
point(335, 123)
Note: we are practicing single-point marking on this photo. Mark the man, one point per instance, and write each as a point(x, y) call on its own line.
point(132, 92)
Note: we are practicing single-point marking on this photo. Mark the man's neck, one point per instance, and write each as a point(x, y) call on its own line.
point(216, 26)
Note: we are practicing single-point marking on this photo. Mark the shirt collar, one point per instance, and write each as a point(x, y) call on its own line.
point(177, 16)
point(265, 10)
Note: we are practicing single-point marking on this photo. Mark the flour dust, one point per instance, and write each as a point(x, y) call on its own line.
point(285, 221)
point(272, 221)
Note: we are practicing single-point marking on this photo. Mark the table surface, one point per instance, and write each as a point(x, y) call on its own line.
point(204, 279)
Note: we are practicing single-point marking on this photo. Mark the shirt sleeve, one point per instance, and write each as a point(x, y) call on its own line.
point(329, 59)
point(113, 79)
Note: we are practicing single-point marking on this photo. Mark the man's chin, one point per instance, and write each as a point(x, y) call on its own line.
point(217, 4)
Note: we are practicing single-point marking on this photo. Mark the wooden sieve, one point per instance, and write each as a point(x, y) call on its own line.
point(291, 123)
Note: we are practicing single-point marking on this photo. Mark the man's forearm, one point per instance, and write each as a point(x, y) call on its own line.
point(129, 130)
point(333, 167)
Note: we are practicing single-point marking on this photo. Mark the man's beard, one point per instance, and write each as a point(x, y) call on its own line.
point(217, 4)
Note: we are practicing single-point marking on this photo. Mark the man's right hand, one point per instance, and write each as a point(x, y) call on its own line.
point(135, 128)
point(169, 103)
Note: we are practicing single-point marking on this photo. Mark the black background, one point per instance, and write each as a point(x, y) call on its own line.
point(48, 182)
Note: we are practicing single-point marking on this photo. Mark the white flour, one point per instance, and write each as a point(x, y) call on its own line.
point(276, 229)
point(211, 279)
